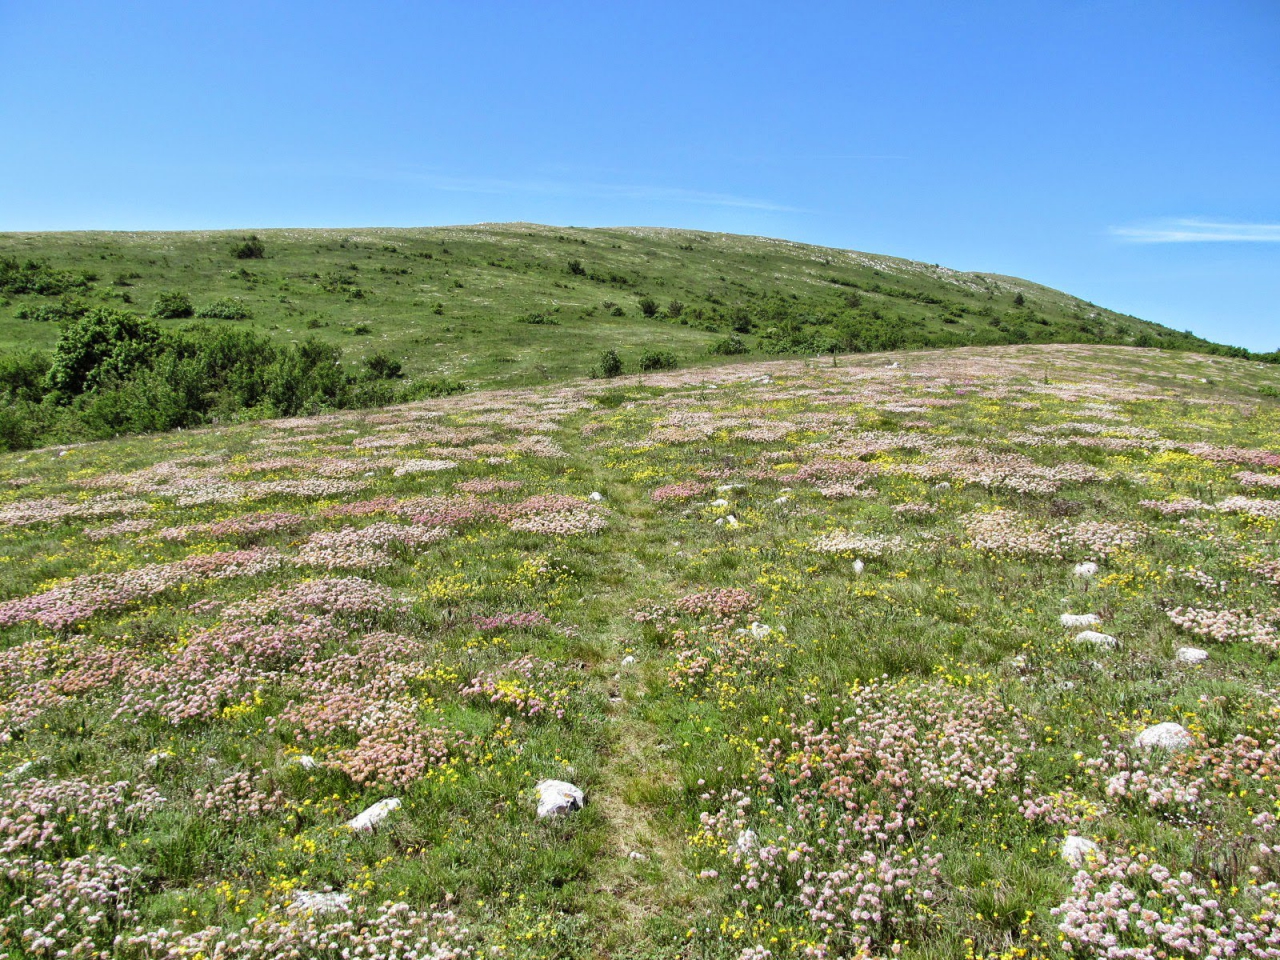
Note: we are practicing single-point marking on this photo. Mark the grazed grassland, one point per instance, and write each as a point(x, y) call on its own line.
point(805, 654)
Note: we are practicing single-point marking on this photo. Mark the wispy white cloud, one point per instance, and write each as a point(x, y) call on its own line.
point(1199, 231)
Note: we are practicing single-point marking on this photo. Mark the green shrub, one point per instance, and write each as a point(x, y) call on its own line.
point(729, 347)
point(648, 306)
point(251, 248)
point(380, 366)
point(103, 345)
point(610, 364)
point(657, 360)
point(172, 306)
point(36, 276)
point(577, 269)
point(23, 374)
point(225, 308)
point(674, 309)
point(540, 319)
point(66, 308)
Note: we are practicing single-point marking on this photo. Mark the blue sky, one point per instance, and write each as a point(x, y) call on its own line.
point(1126, 152)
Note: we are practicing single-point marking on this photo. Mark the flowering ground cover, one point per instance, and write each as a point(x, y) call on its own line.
point(849, 662)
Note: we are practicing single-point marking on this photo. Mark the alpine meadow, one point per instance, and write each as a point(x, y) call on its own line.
point(529, 592)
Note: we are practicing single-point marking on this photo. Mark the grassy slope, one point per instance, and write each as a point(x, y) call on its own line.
point(935, 615)
point(486, 277)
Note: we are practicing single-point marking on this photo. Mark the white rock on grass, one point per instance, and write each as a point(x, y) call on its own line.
point(1191, 655)
point(720, 502)
point(1076, 850)
point(315, 901)
point(1103, 640)
point(306, 762)
point(1086, 569)
point(747, 842)
point(1079, 619)
point(1164, 736)
point(628, 660)
point(556, 797)
point(859, 566)
point(595, 495)
point(366, 821)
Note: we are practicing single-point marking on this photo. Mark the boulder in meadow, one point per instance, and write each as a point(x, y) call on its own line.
point(1072, 620)
point(1103, 640)
point(1086, 569)
point(556, 797)
point(320, 901)
point(1076, 850)
point(374, 815)
point(1191, 655)
point(1164, 736)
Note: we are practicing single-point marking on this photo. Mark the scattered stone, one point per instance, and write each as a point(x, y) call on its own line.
point(636, 855)
point(780, 501)
point(859, 566)
point(595, 495)
point(1164, 736)
point(315, 901)
point(942, 485)
point(628, 660)
point(19, 770)
point(556, 797)
point(306, 762)
point(366, 821)
point(720, 502)
point(1104, 640)
point(747, 842)
point(731, 486)
point(1079, 619)
point(1191, 655)
point(1076, 850)
point(1086, 569)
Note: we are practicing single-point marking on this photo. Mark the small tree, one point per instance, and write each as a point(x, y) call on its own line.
point(658, 360)
point(648, 306)
point(251, 248)
point(577, 269)
point(1019, 300)
point(674, 309)
point(610, 364)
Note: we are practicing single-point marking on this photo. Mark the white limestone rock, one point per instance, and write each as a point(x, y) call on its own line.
point(859, 566)
point(556, 797)
point(1103, 640)
point(306, 762)
point(317, 901)
point(1164, 736)
point(595, 495)
point(1076, 850)
point(370, 818)
point(1086, 569)
point(747, 842)
point(1191, 655)
point(720, 502)
point(1074, 620)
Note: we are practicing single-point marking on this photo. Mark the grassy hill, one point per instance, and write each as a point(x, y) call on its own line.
point(855, 661)
point(456, 302)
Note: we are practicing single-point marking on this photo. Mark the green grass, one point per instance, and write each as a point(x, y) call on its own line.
point(453, 302)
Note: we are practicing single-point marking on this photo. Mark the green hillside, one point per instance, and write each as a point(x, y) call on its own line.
point(456, 301)
point(103, 334)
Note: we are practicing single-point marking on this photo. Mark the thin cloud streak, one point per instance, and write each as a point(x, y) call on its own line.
point(1199, 231)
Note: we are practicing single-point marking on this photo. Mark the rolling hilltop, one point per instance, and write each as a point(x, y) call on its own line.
point(295, 321)
point(458, 301)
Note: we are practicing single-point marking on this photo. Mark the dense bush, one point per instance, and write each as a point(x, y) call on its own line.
point(540, 319)
point(225, 308)
point(36, 276)
point(648, 306)
point(251, 248)
point(729, 347)
point(101, 346)
point(113, 372)
point(63, 309)
point(657, 360)
point(172, 306)
point(610, 364)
